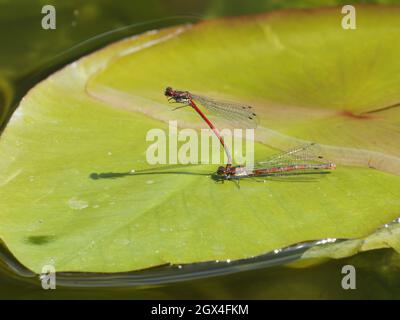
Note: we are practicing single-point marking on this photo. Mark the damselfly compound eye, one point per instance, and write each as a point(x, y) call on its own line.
point(168, 91)
point(221, 170)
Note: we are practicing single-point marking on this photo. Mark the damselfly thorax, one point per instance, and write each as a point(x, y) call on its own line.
point(178, 96)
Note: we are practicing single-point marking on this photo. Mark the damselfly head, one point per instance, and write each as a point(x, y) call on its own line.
point(220, 175)
point(221, 170)
point(169, 91)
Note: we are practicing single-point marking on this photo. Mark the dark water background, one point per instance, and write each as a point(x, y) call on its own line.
point(28, 54)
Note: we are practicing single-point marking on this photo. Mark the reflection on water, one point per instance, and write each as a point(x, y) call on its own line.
point(276, 275)
point(168, 273)
point(378, 277)
point(6, 96)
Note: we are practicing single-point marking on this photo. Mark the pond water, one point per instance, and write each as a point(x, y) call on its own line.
point(30, 53)
point(378, 277)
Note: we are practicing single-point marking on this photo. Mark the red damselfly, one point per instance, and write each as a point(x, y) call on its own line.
point(242, 115)
point(305, 159)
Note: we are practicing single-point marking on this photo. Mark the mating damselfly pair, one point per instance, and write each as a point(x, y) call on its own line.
point(300, 160)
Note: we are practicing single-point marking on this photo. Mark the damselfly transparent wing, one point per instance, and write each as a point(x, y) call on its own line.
point(293, 176)
point(304, 154)
point(237, 114)
point(299, 161)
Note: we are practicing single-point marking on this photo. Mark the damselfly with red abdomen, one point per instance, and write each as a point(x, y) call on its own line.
point(305, 159)
point(239, 114)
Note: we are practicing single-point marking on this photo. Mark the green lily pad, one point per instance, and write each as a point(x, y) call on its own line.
point(309, 80)
point(385, 237)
